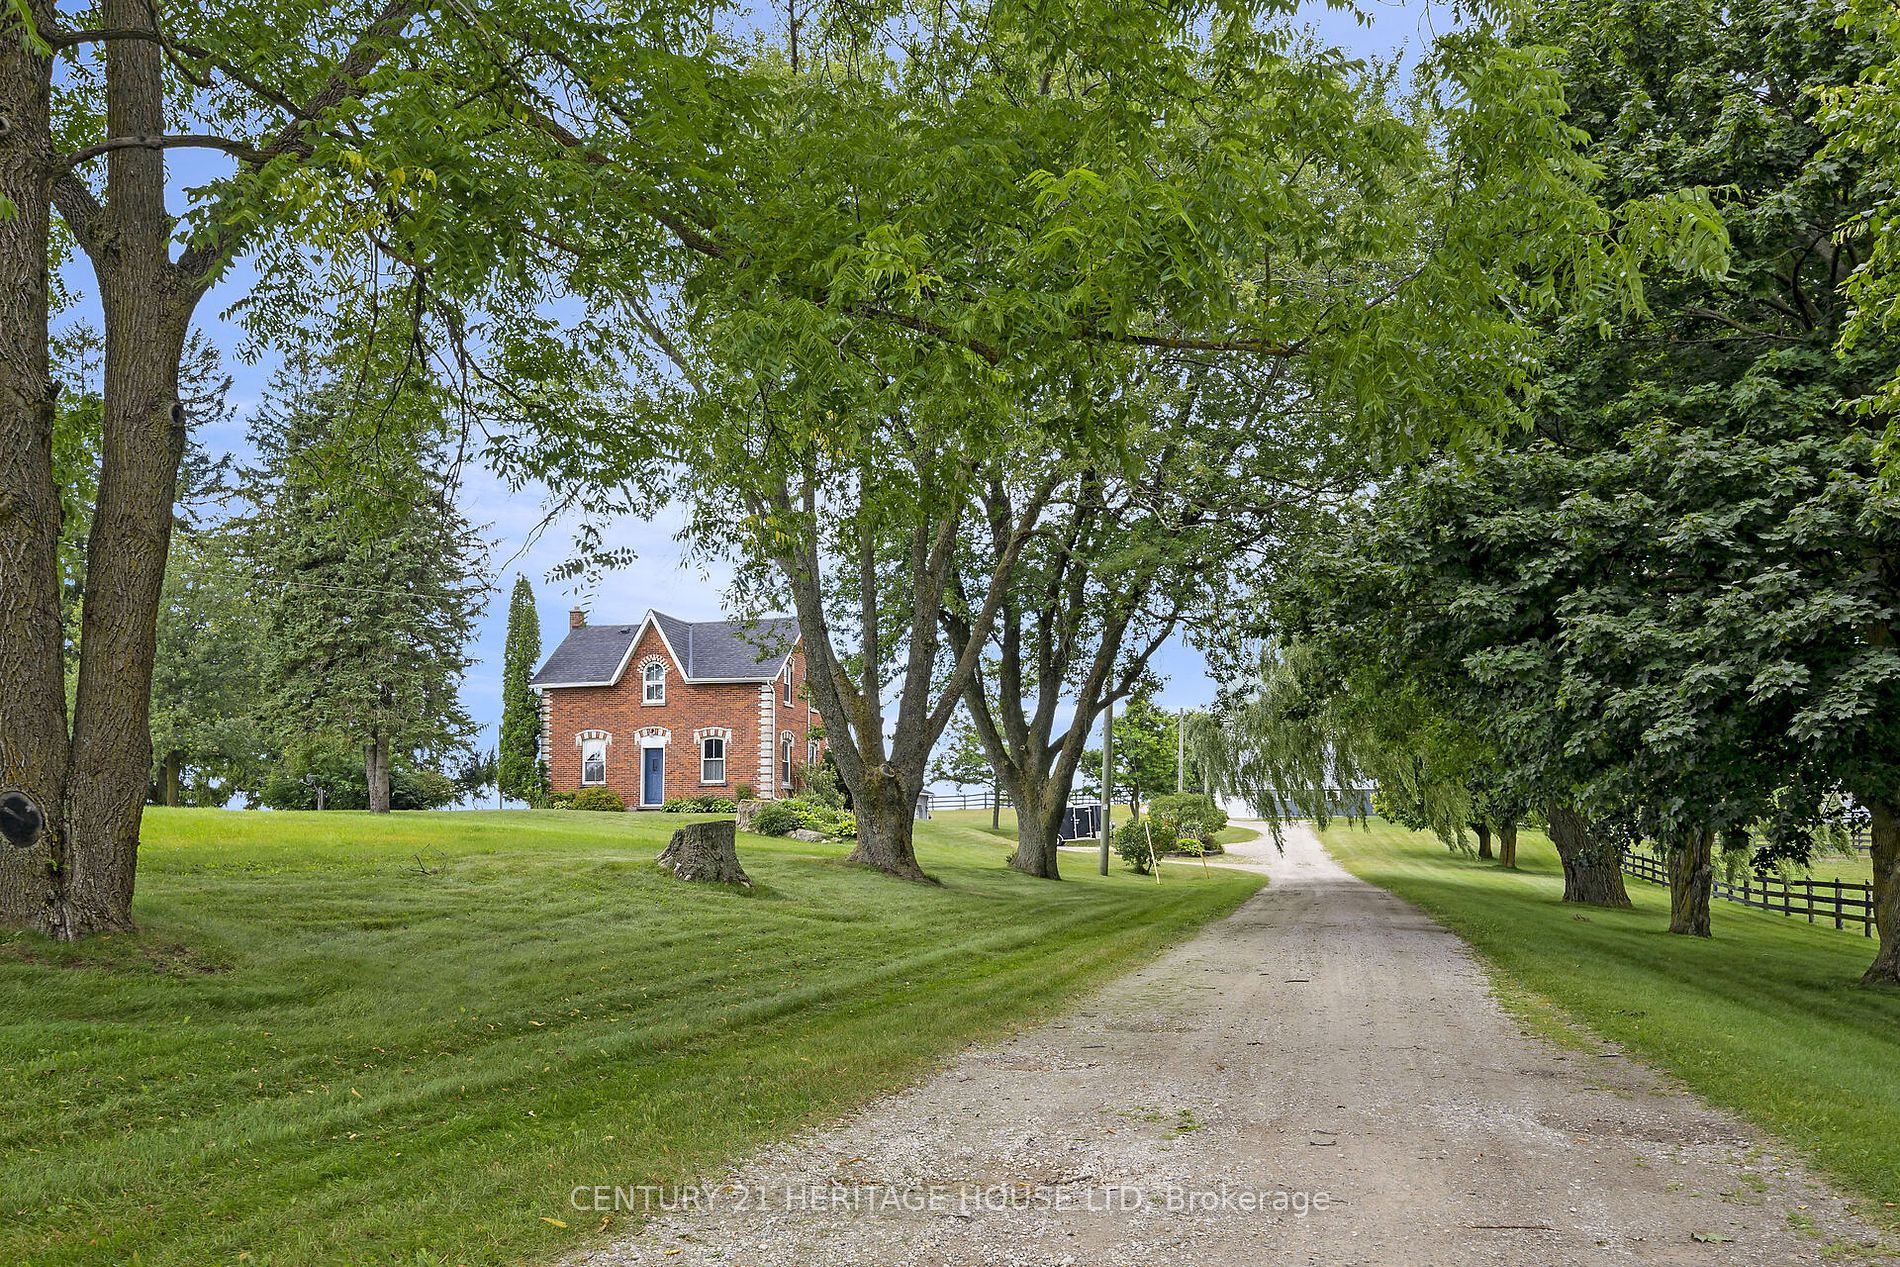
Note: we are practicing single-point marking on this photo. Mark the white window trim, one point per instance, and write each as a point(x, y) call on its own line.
point(585, 740)
point(788, 684)
point(703, 759)
point(786, 752)
point(652, 662)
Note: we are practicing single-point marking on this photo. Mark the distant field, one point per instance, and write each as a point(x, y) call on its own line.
point(1856, 869)
point(1765, 1018)
point(979, 820)
point(340, 1038)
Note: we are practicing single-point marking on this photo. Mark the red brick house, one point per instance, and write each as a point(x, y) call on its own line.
point(668, 708)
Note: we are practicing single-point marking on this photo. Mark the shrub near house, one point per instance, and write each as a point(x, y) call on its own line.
point(673, 710)
point(1193, 819)
point(1183, 822)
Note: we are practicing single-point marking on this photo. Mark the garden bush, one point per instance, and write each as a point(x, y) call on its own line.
point(1188, 815)
point(598, 798)
point(815, 815)
point(745, 792)
point(819, 783)
point(775, 819)
point(1133, 840)
point(710, 803)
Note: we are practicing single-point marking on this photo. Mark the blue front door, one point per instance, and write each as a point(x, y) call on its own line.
point(653, 777)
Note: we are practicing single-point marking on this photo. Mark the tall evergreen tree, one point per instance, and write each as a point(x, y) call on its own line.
point(521, 775)
point(369, 572)
point(208, 680)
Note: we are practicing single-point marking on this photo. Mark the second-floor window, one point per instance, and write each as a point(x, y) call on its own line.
point(712, 760)
point(653, 683)
point(788, 684)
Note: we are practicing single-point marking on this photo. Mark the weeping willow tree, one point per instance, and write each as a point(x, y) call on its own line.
point(1304, 731)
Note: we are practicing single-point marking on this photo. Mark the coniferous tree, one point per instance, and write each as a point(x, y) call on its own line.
point(521, 776)
point(208, 680)
point(369, 573)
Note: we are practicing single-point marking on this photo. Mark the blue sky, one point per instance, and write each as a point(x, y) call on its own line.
point(662, 577)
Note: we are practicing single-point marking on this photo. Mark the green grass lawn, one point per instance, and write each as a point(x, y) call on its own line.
point(1764, 1019)
point(978, 820)
point(347, 1039)
point(1855, 869)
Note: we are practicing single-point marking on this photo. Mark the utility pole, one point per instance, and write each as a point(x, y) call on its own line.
point(1180, 750)
point(1108, 776)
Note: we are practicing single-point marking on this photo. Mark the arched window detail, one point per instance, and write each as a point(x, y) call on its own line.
point(653, 680)
point(593, 746)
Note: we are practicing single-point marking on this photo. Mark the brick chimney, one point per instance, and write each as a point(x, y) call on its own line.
point(576, 618)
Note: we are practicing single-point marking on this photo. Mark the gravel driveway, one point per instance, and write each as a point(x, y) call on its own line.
point(1322, 1077)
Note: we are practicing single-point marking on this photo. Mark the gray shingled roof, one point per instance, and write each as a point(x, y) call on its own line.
point(750, 650)
point(730, 650)
point(587, 655)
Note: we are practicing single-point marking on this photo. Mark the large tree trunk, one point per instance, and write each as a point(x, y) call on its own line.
point(1483, 831)
point(1885, 833)
point(1591, 872)
point(1040, 801)
point(147, 313)
point(1507, 844)
point(376, 773)
point(1691, 880)
point(886, 809)
point(33, 735)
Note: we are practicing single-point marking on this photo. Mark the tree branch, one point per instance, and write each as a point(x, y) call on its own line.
point(241, 150)
point(81, 211)
point(366, 52)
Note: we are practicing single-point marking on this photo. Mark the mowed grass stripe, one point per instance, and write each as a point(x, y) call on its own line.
point(528, 1007)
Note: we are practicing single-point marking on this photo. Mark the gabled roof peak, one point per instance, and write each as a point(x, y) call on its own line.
point(704, 650)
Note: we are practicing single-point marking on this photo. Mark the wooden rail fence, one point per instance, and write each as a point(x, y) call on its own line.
point(982, 800)
point(1843, 903)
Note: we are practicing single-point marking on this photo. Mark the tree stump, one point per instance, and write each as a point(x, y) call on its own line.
point(705, 852)
point(749, 810)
